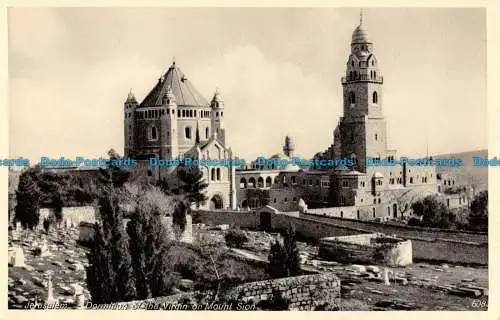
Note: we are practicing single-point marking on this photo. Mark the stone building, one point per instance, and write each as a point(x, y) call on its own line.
point(174, 121)
point(356, 190)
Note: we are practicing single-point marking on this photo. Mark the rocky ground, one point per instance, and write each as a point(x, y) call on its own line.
point(65, 259)
point(420, 286)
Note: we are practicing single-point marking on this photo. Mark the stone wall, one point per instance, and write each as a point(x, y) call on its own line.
point(86, 230)
point(427, 244)
point(71, 216)
point(403, 231)
point(366, 249)
point(302, 293)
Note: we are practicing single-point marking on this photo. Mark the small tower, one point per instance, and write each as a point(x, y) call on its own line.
point(288, 147)
point(129, 111)
point(172, 147)
point(217, 106)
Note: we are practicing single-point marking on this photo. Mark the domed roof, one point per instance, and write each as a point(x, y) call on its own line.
point(378, 175)
point(360, 35)
point(280, 156)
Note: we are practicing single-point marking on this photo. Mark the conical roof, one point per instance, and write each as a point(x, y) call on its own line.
point(184, 91)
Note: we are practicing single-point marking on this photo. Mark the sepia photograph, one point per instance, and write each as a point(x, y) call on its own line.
point(248, 158)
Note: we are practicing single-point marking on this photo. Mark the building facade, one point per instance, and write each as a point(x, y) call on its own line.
point(173, 122)
point(358, 190)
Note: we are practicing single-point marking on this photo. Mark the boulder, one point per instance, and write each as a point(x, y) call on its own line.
point(373, 269)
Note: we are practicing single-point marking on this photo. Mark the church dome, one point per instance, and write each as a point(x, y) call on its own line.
point(360, 35)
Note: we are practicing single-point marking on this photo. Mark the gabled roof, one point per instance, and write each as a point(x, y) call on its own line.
point(205, 144)
point(183, 90)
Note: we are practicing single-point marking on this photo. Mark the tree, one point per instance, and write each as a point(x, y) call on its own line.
point(284, 259)
point(262, 196)
point(28, 199)
point(478, 216)
point(290, 244)
point(148, 248)
point(192, 184)
point(100, 273)
point(179, 220)
point(113, 175)
point(277, 261)
point(110, 275)
point(434, 214)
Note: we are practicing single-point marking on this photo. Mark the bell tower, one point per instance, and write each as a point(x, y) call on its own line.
point(363, 127)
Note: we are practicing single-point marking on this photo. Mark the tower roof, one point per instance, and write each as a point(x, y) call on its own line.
point(360, 34)
point(130, 97)
point(183, 90)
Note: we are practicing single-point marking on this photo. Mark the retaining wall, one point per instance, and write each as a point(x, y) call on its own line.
point(433, 245)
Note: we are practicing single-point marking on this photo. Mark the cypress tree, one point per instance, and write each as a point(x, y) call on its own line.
point(293, 257)
point(100, 274)
point(148, 248)
point(111, 253)
point(28, 197)
point(284, 259)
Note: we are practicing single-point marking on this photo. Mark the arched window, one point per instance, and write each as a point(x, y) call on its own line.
point(212, 174)
point(373, 62)
point(260, 182)
point(352, 63)
point(373, 209)
point(251, 182)
point(375, 74)
point(376, 136)
point(268, 181)
point(218, 174)
point(352, 98)
point(153, 133)
point(206, 133)
point(187, 132)
point(411, 179)
point(243, 183)
point(375, 97)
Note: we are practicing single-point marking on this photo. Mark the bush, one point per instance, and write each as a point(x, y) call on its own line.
point(414, 222)
point(276, 303)
point(284, 259)
point(235, 238)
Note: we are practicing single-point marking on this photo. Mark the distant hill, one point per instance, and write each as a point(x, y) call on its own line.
point(468, 174)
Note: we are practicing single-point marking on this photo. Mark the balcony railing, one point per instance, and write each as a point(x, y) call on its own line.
point(363, 77)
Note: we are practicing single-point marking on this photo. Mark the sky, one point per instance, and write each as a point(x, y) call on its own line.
point(278, 70)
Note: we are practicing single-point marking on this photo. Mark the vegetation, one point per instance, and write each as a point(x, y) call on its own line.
point(148, 243)
point(284, 260)
point(433, 213)
point(28, 200)
point(478, 216)
point(192, 185)
point(110, 276)
point(276, 303)
point(235, 238)
point(261, 195)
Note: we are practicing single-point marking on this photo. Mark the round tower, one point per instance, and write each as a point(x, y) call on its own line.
point(288, 147)
point(217, 105)
point(129, 124)
point(171, 147)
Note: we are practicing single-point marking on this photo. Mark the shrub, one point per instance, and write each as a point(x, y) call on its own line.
point(235, 238)
point(276, 303)
point(284, 259)
point(414, 222)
